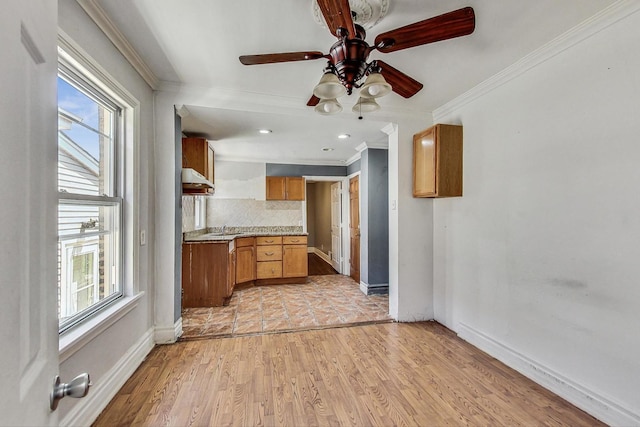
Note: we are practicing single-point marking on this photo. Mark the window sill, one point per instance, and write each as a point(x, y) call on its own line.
point(74, 339)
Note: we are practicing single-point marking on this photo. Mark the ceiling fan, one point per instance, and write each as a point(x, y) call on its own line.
point(347, 58)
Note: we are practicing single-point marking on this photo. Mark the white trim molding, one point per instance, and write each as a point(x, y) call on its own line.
point(585, 399)
point(378, 289)
point(102, 20)
point(600, 21)
point(168, 335)
point(86, 411)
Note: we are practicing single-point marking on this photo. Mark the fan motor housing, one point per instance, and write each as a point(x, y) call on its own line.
point(349, 57)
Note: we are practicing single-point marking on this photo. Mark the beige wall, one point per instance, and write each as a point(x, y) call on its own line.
point(319, 215)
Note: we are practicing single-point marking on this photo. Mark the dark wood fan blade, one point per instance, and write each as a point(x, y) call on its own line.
point(401, 84)
point(337, 14)
point(272, 58)
point(458, 23)
point(313, 101)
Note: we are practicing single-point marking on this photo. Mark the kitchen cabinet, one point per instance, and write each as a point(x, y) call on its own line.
point(197, 154)
point(268, 257)
point(294, 256)
point(245, 259)
point(437, 162)
point(205, 280)
point(285, 188)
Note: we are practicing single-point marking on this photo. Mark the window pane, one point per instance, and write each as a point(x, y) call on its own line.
point(85, 143)
point(88, 257)
point(89, 230)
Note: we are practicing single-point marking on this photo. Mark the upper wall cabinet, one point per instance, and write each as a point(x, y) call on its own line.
point(197, 154)
point(437, 162)
point(285, 188)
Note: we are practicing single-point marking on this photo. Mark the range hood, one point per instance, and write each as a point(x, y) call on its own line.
point(195, 180)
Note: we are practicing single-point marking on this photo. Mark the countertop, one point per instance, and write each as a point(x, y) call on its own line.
point(230, 233)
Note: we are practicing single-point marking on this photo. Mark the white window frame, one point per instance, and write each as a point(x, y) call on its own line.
point(75, 337)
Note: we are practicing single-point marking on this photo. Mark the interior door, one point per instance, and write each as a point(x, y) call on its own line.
point(336, 240)
point(354, 228)
point(28, 129)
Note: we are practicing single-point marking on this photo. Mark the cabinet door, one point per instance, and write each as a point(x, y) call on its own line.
point(294, 187)
point(424, 163)
point(275, 188)
point(194, 154)
point(204, 279)
point(294, 261)
point(245, 264)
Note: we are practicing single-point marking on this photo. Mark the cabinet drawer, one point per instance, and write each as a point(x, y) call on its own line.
point(245, 241)
point(269, 253)
point(294, 240)
point(269, 240)
point(269, 269)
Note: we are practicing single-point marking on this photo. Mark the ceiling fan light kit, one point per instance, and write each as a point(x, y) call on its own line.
point(328, 106)
point(347, 58)
point(329, 87)
point(365, 105)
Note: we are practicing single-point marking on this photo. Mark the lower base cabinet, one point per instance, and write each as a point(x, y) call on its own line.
point(205, 274)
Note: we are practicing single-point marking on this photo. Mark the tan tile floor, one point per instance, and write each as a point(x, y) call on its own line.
point(323, 301)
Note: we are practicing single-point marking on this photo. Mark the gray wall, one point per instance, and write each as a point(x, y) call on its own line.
point(353, 167)
point(277, 169)
point(374, 218)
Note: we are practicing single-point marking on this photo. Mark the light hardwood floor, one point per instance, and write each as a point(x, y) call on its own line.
point(407, 374)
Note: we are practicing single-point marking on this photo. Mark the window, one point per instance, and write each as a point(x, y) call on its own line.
point(90, 178)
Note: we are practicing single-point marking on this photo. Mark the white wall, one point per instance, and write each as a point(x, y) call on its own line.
point(538, 262)
point(116, 347)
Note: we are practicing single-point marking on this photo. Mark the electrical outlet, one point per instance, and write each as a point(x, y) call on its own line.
point(143, 237)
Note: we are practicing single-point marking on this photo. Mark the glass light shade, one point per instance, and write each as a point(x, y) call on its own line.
point(329, 87)
point(328, 106)
point(365, 105)
point(375, 86)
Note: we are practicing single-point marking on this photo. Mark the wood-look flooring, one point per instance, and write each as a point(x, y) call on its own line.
point(319, 267)
point(407, 374)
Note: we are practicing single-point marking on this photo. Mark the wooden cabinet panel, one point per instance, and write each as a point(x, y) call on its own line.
point(276, 188)
point(204, 274)
point(197, 154)
point(294, 261)
point(245, 264)
point(269, 269)
point(231, 279)
point(295, 187)
point(285, 188)
point(294, 240)
point(268, 240)
point(437, 162)
point(269, 253)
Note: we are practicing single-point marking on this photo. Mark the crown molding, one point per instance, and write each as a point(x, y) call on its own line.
point(600, 21)
point(102, 20)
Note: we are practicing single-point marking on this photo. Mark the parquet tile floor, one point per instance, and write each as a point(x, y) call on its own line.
point(324, 301)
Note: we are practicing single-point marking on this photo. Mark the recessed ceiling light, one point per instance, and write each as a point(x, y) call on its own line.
point(344, 136)
point(264, 131)
point(327, 149)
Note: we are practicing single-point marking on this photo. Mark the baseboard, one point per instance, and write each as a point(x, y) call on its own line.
point(322, 255)
point(585, 399)
point(86, 410)
point(379, 289)
point(168, 335)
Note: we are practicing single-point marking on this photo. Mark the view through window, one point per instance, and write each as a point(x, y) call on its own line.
point(89, 207)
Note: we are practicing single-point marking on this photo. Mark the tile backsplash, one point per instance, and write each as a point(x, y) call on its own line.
point(252, 213)
point(194, 213)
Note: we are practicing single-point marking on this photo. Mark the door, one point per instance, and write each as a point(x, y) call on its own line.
point(354, 228)
point(336, 252)
point(28, 240)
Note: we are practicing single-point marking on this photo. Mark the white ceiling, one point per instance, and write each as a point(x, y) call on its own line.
point(196, 43)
